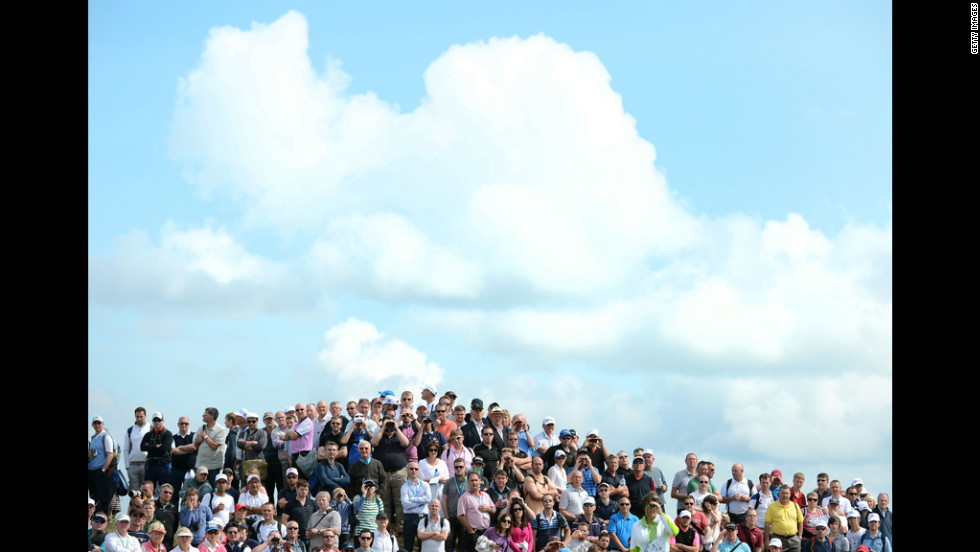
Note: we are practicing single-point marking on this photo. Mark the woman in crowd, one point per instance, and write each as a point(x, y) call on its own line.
point(712, 532)
point(811, 515)
point(155, 544)
point(183, 536)
point(433, 469)
point(521, 535)
point(499, 534)
point(557, 473)
point(654, 529)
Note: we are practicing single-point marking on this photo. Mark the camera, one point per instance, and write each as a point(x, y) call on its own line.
point(134, 494)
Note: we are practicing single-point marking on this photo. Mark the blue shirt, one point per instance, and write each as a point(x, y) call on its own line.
point(622, 526)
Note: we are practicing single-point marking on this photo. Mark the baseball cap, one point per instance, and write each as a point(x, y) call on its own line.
point(548, 420)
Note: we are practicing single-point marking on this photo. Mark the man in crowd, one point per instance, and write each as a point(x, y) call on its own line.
point(183, 455)
point(199, 482)
point(639, 484)
point(390, 447)
point(135, 455)
point(621, 526)
point(212, 436)
point(884, 515)
point(415, 498)
point(452, 490)
point(100, 456)
point(299, 510)
point(157, 444)
point(251, 442)
point(736, 493)
point(220, 502)
point(364, 468)
point(473, 428)
point(835, 492)
point(659, 481)
point(873, 538)
point(678, 488)
point(273, 452)
point(749, 532)
point(252, 499)
point(784, 520)
point(473, 511)
point(547, 438)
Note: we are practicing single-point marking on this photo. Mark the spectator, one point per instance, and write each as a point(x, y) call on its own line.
point(194, 516)
point(415, 498)
point(499, 534)
point(157, 533)
point(325, 521)
point(183, 457)
point(367, 506)
point(433, 530)
point(549, 524)
point(135, 455)
point(473, 510)
point(654, 529)
point(687, 539)
point(521, 535)
point(157, 444)
point(100, 466)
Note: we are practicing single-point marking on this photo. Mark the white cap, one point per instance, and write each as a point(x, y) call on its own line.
point(121, 516)
point(156, 415)
point(548, 420)
point(222, 477)
point(856, 481)
point(292, 471)
point(648, 451)
point(592, 431)
point(389, 400)
point(430, 388)
point(776, 542)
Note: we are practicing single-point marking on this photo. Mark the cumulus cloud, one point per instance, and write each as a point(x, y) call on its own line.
point(520, 156)
point(198, 269)
point(360, 357)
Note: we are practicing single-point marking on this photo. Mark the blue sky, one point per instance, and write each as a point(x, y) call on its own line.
point(668, 221)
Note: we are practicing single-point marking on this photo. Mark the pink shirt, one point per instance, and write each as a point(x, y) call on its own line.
point(521, 534)
point(467, 506)
point(304, 442)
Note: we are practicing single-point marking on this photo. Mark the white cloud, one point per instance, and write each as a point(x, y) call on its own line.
point(386, 255)
point(521, 156)
point(356, 354)
point(200, 269)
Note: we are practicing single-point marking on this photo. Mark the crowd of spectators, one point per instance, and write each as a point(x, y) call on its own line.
point(404, 473)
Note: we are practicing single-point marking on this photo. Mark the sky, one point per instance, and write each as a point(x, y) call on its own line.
point(670, 222)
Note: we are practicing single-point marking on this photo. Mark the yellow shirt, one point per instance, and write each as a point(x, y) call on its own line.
point(784, 520)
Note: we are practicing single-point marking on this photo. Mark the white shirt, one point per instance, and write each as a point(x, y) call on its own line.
point(247, 499)
point(132, 444)
point(542, 442)
point(113, 543)
point(431, 545)
point(571, 501)
point(738, 487)
point(558, 477)
point(382, 543)
point(212, 500)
